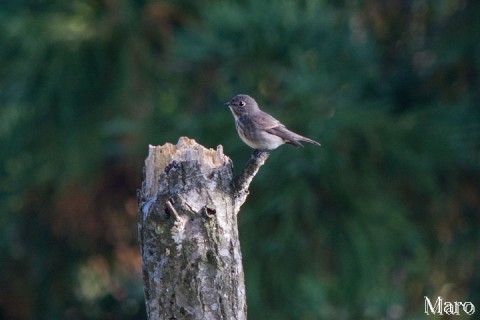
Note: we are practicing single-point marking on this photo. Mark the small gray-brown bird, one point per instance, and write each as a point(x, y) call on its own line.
point(258, 129)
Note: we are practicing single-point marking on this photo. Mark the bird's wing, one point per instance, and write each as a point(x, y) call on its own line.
point(271, 125)
point(265, 121)
point(285, 134)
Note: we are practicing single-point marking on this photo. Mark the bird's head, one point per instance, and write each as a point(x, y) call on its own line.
point(242, 104)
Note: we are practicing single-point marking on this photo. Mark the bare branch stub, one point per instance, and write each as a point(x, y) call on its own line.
point(241, 183)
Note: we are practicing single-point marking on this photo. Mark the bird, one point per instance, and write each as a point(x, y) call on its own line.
point(258, 129)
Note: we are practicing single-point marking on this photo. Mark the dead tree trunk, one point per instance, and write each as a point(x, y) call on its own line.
point(187, 228)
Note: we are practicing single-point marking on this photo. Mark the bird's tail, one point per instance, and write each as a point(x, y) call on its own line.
point(302, 138)
point(297, 138)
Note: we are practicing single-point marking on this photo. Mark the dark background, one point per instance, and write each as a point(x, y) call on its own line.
point(386, 212)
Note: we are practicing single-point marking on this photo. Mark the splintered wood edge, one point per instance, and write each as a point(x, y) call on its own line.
point(159, 157)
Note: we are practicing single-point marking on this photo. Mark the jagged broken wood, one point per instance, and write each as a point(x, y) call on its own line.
point(188, 233)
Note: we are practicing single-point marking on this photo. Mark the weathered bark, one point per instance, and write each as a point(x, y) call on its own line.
point(187, 228)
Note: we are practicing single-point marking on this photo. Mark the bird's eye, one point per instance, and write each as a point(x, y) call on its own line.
point(241, 103)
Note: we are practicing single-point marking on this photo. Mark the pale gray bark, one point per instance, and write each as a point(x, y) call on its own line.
point(188, 233)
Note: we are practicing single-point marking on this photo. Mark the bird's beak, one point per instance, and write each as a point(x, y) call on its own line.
point(227, 104)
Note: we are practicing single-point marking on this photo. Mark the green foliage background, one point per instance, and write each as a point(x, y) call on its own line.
point(386, 212)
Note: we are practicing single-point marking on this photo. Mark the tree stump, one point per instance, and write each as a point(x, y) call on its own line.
point(188, 233)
